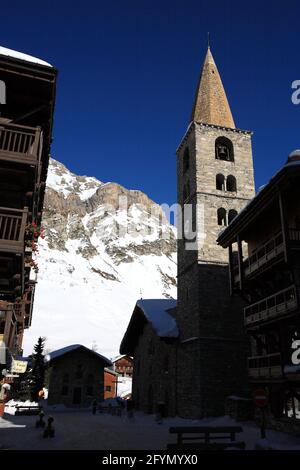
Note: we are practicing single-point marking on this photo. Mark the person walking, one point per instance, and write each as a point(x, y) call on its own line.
point(94, 407)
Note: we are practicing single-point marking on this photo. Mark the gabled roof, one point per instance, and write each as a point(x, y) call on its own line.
point(110, 371)
point(21, 56)
point(211, 104)
point(117, 358)
point(68, 349)
point(156, 313)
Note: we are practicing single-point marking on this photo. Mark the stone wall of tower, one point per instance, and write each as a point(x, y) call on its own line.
point(213, 343)
point(212, 339)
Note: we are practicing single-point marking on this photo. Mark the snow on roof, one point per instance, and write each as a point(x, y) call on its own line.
point(72, 347)
point(156, 312)
point(115, 359)
point(110, 371)
point(22, 56)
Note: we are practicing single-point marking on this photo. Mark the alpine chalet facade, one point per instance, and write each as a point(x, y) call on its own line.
point(28, 89)
point(264, 258)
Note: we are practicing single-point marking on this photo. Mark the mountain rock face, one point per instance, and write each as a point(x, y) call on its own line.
point(105, 247)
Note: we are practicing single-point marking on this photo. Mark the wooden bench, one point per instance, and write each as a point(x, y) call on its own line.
point(31, 410)
point(205, 437)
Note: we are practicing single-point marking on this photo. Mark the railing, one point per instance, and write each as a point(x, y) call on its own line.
point(12, 228)
point(275, 305)
point(268, 366)
point(265, 253)
point(294, 234)
point(20, 143)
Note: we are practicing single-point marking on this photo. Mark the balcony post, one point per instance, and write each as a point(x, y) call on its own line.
point(283, 226)
point(231, 279)
point(36, 144)
point(240, 260)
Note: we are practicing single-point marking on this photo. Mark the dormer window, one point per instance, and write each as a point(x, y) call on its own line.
point(224, 149)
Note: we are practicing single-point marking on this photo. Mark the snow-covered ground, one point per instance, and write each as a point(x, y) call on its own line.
point(82, 430)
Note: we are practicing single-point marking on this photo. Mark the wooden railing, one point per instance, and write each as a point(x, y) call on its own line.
point(20, 143)
point(294, 234)
point(265, 253)
point(275, 305)
point(12, 228)
point(267, 366)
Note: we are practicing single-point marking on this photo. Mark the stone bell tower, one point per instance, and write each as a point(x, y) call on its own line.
point(215, 181)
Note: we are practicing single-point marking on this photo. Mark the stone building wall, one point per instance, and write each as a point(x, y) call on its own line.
point(65, 379)
point(154, 373)
point(212, 339)
point(213, 346)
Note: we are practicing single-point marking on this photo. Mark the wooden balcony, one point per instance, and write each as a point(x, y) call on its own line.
point(265, 367)
point(271, 250)
point(20, 144)
point(12, 229)
point(274, 306)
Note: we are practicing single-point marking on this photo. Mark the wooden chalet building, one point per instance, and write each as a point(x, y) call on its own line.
point(28, 86)
point(123, 365)
point(264, 255)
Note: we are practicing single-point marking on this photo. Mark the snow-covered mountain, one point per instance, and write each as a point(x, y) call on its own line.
point(105, 247)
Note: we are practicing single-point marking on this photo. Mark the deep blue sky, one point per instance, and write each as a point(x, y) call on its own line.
point(128, 71)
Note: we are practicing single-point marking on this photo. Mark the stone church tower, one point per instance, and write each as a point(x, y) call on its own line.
point(215, 181)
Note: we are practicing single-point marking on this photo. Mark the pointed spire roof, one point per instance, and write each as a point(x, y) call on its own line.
point(211, 105)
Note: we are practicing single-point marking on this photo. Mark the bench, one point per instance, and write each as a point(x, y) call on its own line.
point(113, 410)
point(31, 410)
point(206, 437)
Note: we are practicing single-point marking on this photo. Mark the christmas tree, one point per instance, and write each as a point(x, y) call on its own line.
point(36, 373)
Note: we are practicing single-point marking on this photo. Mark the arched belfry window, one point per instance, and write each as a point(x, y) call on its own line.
point(220, 182)
point(231, 215)
point(224, 149)
point(222, 217)
point(231, 183)
point(186, 160)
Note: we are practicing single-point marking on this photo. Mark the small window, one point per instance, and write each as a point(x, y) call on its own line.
point(66, 378)
point(186, 160)
point(89, 391)
point(224, 149)
point(222, 217)
point(79, 371)
point(231, 183)
point(231, 215)
point(166, 364)
point(90, 379)
point(108, 388)
point(220, 182)
point(64, 390)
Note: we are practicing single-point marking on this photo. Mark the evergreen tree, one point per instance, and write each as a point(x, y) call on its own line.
point(37, 371)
